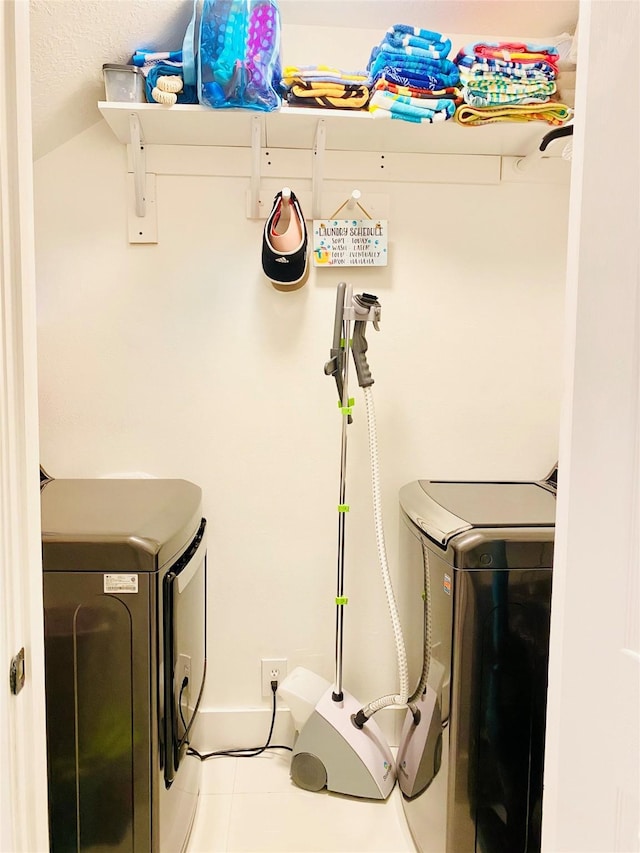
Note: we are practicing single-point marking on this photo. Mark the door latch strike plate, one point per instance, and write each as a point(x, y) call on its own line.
point(17, 673)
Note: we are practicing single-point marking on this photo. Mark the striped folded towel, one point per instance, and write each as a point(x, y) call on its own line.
point(513, 52)
point(452, 93)
point(524, 77)
point(387, 105)
point(313, 93)
point(321, 73)
point(404, 36)
point(551, 111)
point(482, 93)
point(487, 57)
point(436, 73)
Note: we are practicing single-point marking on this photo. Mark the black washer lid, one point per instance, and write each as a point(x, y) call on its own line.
point(117, 525)
point(444, 509)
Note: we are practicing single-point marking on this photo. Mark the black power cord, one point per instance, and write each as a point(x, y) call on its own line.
point(247, 752)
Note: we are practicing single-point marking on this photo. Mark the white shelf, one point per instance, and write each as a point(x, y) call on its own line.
point(293, 143)
point(296, 128)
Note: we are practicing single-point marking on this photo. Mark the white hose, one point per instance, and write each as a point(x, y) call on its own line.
point(403, 669)
point(426, 655)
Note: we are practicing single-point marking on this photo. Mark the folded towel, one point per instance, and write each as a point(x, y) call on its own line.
point(502, 99)
point(404, 35)
point(470, 62)
point(420, 49)
point(481, 92)
point(516, 76)
point(497, 99)
point(388, 105)
point(494, 68)
point(424, 65)
point(332, 95)
point(421, 75)
point(321, 73)
point(452, 93)
point(552, 112)
point(513, 51)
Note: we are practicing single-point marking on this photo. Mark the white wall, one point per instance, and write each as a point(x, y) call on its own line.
point(592, 765)
point(181, 360)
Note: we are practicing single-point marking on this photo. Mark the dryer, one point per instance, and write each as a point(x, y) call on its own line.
point(125, 635)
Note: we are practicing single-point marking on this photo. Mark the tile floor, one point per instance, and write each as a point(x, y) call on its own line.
point(251, 805)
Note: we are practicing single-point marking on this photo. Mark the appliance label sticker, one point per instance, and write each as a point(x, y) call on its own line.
point(447, 584)
point(120, 583)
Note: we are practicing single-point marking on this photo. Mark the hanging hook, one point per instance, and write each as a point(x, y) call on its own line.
point(354, 199)
point(523, 163)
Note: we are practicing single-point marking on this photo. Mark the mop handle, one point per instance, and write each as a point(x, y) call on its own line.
point(338, 367)
point(366, 309)
point(335, 366)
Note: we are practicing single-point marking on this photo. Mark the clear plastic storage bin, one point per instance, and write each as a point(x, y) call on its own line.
point(123, 83)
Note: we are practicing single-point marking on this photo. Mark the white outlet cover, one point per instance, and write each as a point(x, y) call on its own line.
point(267, 665)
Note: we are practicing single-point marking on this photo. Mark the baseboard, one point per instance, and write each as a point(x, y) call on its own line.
point(239, 728)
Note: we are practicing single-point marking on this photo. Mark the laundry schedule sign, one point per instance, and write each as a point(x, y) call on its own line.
point(350, 242)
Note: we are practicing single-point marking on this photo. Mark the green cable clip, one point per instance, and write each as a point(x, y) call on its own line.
point(348, 409)
point(343, 507)
point(341, 600)
point(424, 595)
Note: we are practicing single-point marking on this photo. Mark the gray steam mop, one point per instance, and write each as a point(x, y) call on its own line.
point(332, 749)
point(420, 751)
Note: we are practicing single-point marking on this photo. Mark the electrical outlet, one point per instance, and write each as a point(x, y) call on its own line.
point(273, 669)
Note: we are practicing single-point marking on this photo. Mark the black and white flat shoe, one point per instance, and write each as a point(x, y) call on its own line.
point(284, 243)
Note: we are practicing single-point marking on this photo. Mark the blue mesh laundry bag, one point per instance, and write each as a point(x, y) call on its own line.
point(238, 54)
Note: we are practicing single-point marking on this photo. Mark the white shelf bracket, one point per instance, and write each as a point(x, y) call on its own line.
point(256, 138)
point(142, 213)
point(138, 157)
point(317, 175)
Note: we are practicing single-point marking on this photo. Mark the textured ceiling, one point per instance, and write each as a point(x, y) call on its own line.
point(71, 39)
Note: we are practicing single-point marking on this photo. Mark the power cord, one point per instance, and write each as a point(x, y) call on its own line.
point(247, 752)
point(187, 728)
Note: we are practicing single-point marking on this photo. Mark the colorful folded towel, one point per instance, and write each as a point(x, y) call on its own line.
point(416, 76)
point(552, 112)
point(482, 58)
point(498, 99)
point(351, 96)
point(496, 74)
point(321, 73)
point(421, 50)
point(452, 93)
point(430, 73)
point(513, 51)
point(516, 76)
point(387, 105)
point(404, 35)
point(480, 93)
point(534, 70)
